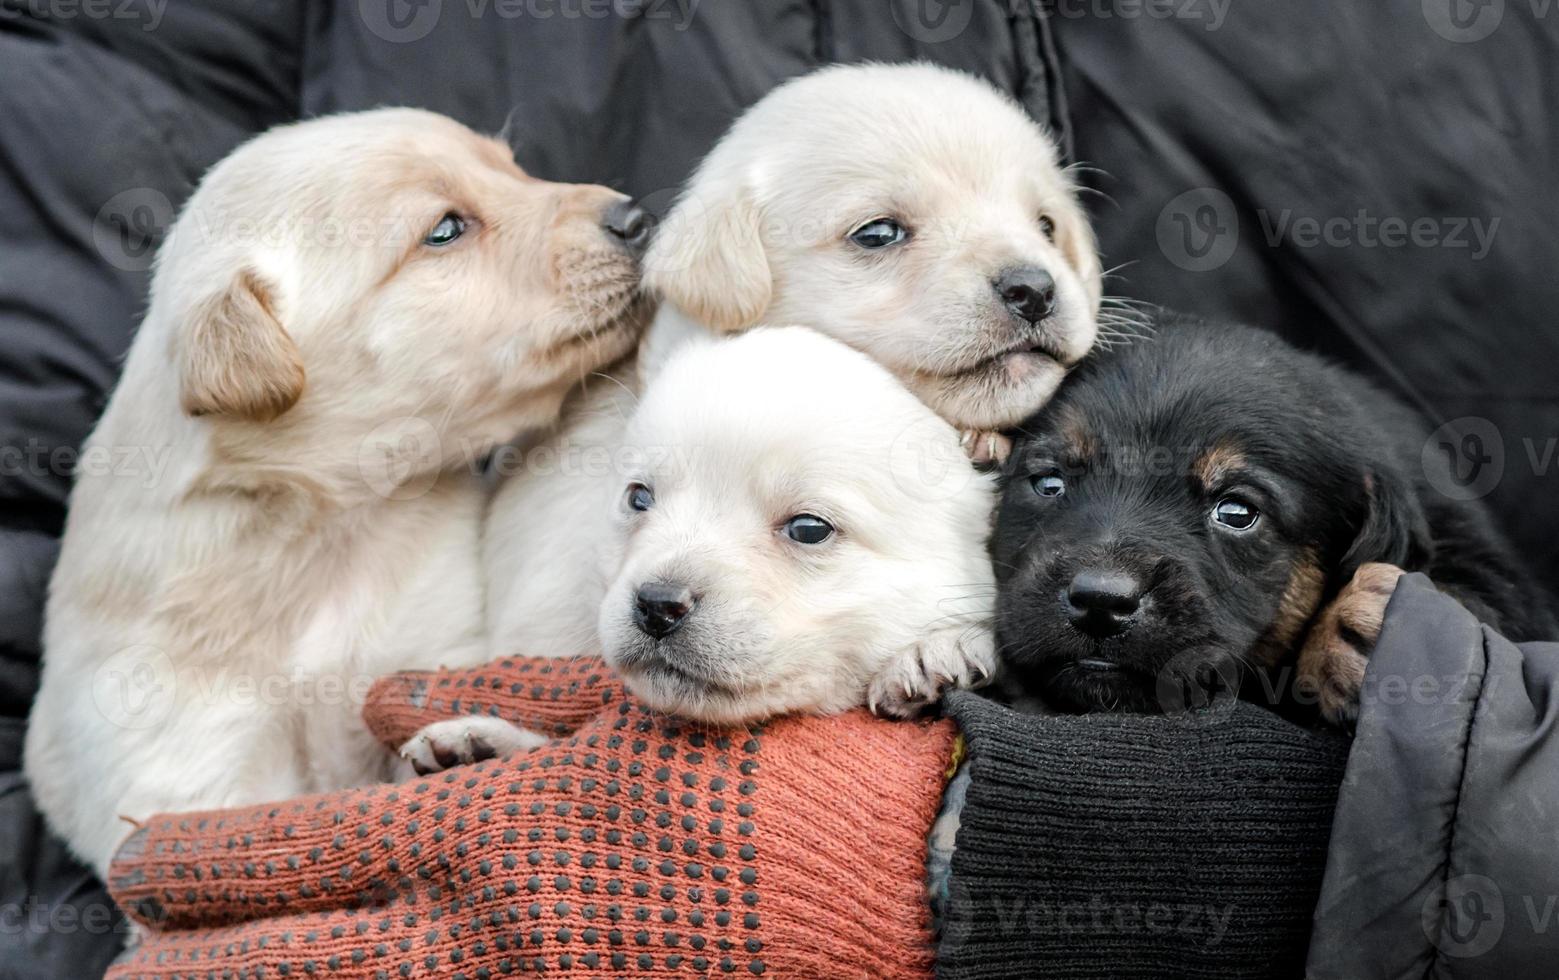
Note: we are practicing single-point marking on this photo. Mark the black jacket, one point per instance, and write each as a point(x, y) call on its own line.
point(1239, 144)
point(1449, 812)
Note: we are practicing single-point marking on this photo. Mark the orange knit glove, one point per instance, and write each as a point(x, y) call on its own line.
point(637, 845)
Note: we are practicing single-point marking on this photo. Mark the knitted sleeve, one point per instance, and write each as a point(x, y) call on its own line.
point(551, 696)
point(1129, 846)
point(637, 845)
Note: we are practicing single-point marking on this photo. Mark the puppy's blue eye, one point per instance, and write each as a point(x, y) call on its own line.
point(1048, 484)
point(808, 529)
point(639, 497)
point(879, 233)
point(449, 228)
point(1235, 514)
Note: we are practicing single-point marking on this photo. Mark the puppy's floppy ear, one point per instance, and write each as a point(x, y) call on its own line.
point(1395, 529)
point(235, 358)
point(708, 257)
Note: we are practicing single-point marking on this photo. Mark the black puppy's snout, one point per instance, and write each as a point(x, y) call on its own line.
point(1101, 602)
point(629, 224)
point(660, 608)
point(1029, 292)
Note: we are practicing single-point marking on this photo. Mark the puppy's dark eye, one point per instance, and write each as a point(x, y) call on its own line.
point(449, 228)
point(808, 529)
point(1047, 224)
point(879, 233)
point(639, 497)
point(1048, 484)
point(1235, 514)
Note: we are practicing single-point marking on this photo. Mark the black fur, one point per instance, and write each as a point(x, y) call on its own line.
point(1335, 467)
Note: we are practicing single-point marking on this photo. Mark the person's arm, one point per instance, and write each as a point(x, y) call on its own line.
point(1443, 859)
point(1131, 845)
point(635, 844)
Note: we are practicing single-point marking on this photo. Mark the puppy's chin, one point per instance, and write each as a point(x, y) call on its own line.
point(997, 393)
point(677, 694)
point(1081, 685)
point(737, 684)
point(1096, 680)
point(1005, 370)
point(670, 675)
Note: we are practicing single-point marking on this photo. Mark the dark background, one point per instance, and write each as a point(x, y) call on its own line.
point(1254, 157)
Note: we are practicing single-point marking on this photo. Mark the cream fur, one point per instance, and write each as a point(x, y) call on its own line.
point(761, 232)
point(320, 383)
point(761, 235)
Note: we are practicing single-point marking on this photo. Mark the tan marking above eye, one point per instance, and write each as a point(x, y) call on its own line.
point(1217, 463)
point(1078, 438)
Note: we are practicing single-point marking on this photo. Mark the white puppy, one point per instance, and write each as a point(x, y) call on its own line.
point(800, 534)
point(915, 213)
point(346, 311)
point(796, 533)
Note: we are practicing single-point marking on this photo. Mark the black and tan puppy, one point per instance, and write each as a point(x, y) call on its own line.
point(1213, 502)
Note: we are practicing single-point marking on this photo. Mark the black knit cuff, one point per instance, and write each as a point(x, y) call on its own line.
point(1117, 846)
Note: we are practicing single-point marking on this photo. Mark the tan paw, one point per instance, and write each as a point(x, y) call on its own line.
point(942, 661)
point(985, 448)
point(1337, 648)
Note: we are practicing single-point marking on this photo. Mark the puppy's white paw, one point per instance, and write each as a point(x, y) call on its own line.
point(941, 661)
point(460, 741)
point(985, 448)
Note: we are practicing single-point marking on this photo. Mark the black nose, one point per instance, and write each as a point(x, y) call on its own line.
point(1028, 291)
point(660, 608)
point(1101, 603)
point(630, 224)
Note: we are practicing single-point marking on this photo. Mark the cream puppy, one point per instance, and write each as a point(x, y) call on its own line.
point(795, 532)
point(914, 213)
point(345, 311)
point(911, 211)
